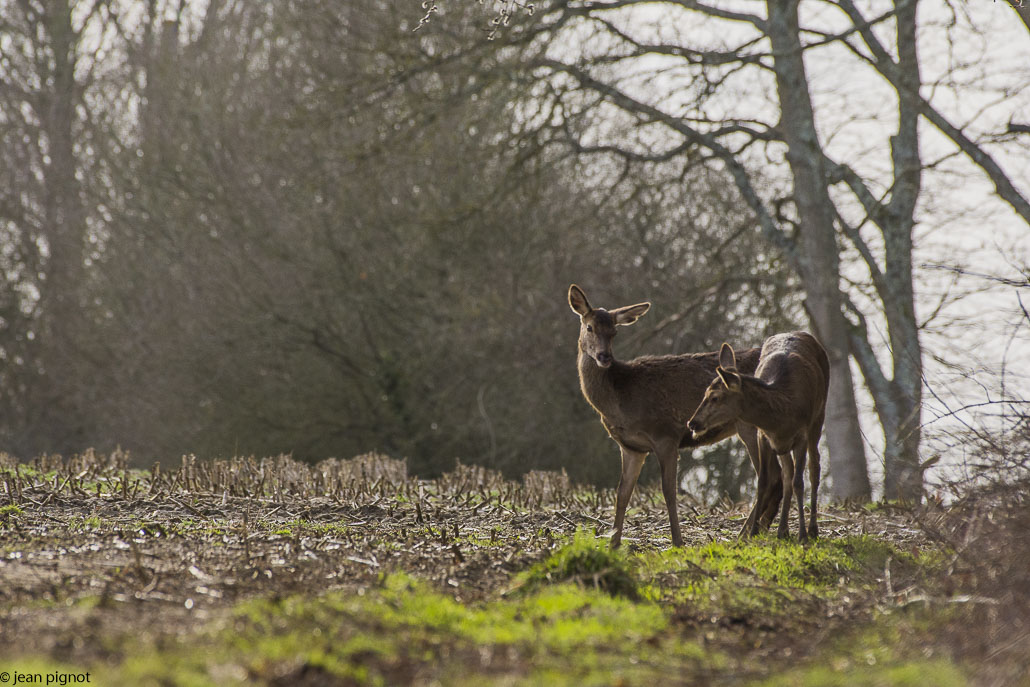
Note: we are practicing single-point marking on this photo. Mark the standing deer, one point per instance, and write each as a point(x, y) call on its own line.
point(645, 403)
point(786, 401)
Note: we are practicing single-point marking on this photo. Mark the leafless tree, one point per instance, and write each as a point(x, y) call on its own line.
point(50, 78)
point(304, 227)
point(731, 87)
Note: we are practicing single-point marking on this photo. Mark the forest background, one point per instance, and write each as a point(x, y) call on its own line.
point(233, 228)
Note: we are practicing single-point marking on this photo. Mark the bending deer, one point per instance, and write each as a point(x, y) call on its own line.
point(644, 404)
point(786, 401)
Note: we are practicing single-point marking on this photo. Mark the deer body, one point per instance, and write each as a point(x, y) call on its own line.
point(645, 403)
point(786, 400)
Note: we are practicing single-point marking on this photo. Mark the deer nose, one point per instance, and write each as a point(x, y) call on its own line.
point(694, 426)
point(604, 359)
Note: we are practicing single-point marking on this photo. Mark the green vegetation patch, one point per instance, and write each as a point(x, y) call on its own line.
point(81, 523)
point(939, 673)
point(898, 649)
point(403, 631)
point(304, 528)
point(26, 471)
point(817, 568)
point(585, 615)
point(588, 562)
point(9, 513)
point(767, 576)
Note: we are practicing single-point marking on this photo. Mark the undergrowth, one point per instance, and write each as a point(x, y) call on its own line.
point(273, 573)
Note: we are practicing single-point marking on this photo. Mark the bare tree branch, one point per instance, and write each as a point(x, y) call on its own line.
point(741, 177)
point(862, 350)
point(1023, 283)
point(888, 68)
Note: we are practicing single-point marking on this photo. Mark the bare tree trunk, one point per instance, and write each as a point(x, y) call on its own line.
point(61, 414)
point(901, 414)
point(820, 223)
point(898, 398)
point(817, 251)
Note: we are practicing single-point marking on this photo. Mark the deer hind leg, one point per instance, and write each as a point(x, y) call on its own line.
point(787, 468)
point(668, 456)
point(632, 462)
point(773, 491)
point(813, 476)
point(799, 490)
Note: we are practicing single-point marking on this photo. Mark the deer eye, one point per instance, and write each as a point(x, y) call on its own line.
point(590, 328)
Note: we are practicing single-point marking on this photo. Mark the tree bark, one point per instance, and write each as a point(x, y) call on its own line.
point(817, 251)
point(903, 478)
point(61, 417)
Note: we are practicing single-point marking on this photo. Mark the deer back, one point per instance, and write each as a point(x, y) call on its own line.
point(796, 365)
point(654, 396)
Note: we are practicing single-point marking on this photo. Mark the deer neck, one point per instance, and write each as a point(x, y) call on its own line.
point(597, 385)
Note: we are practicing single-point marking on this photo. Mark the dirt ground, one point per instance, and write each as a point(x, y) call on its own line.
point(91, 550)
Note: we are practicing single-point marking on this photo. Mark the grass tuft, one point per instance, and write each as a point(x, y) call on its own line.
point(9, 513)
point(588, 562)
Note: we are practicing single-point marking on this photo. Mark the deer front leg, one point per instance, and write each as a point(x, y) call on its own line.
point(750, 526)
point(763, 497)
point(668, 456)
point(632, 462)
point(749, 437)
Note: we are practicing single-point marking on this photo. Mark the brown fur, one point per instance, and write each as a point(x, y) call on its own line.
point(645, 403)
point(786, 400)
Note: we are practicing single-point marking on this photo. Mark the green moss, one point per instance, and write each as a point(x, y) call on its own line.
point(586, 561)
point(562, 634)
point(9, 514)
point(818, 569)
point(940, 673)
point(302, 528)
point(899, 648)
point(772, 578)
point(896, 650)
point(176, 664)
point(150, 528)
point(202, 528)
point(558, 616)
point(88, 522)
point(26, 471)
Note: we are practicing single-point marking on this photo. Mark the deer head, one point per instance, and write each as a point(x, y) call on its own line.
point(597, 327)
point(722, 399)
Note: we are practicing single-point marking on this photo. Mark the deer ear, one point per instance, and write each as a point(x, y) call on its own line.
point(630, 313)
point(730, 379)
point(578, 301)
point(726, 358)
